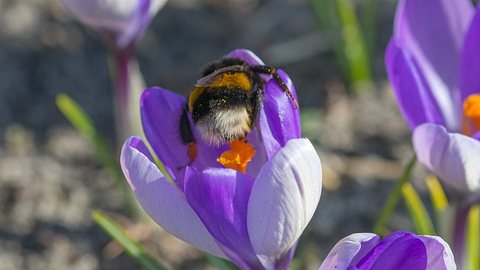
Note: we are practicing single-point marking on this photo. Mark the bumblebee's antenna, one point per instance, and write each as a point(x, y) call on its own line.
point(273, 72)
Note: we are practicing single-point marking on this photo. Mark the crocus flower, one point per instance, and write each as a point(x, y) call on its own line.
point(399, 250)
point(122, 22)
point(255, 218)
point(433, 62)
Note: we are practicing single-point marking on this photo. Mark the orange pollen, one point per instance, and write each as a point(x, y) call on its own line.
point(471, 115)
point(239, 155)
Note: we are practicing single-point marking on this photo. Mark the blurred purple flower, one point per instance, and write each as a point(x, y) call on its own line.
point(399, 250)
point(120, 22)
point(433, 62)
point(253, 219)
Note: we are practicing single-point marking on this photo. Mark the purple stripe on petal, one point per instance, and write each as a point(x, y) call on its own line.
point(440, 256)
point(283, 261)
point(414, 96)
point(470, 69)
point(349, 251)
point(282, 116)
point(366, 245)
point(283, 199)
point(137, 26)
point(220, 199)
point(453, 157)
point(139, 145)
point(399, 251)
point(161, 200)
point(161, 112)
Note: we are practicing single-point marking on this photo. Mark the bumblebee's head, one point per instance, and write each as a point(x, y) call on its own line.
point(222, 114)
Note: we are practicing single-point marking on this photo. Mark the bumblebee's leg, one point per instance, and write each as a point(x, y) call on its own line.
point(256, 100)
point(186, 135)
point(272, 71)
point(225, 62)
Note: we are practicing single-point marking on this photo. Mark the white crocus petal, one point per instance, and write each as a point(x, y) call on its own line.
point(283, 199)
point(440, 256)
point(164, 202)
point(342, 254)
point(114, 15)
point(453, 157)
point(121, 17)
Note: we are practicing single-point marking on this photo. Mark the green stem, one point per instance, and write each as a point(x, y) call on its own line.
point(132, 247)
point(355, 49)
point(473, 238)
point(394, 197)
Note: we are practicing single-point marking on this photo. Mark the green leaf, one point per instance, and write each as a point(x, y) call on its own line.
point(84, 124)
point(107, 156)
point(393, 199)
point(416, 208)
point(342, 28)
point(437, 194)
point(355, 49)
point(472, 238)
point(444, 214)
point(440, 206)
point(369, 12)
point(132, 247)
point(219, 263)
point(76, 115)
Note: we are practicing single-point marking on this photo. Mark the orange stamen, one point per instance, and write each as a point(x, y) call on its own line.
point(471, 115)
point(240, 154)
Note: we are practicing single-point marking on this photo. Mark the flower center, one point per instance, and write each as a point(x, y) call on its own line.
point(240, 154)
point(471, 115)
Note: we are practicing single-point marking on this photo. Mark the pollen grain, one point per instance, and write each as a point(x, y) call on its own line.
point(240, 154)
point(471, 115)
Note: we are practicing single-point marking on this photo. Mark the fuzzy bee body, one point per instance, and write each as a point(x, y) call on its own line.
point(226, 101)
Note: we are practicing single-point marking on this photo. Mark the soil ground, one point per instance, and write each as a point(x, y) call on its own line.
point(50, 179)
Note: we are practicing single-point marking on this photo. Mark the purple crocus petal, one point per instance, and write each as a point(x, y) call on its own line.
point(281, 121)
point(247, 56)
point(146, 10)
point(476, 136)
point(162, 200)
point(101, 14)
point(399, 251)
point(349, 251)
point(220, 198)
point(453, 157)
point(470, 69)
point(125, 20)
point(137, 26)
point(260, 158)
point(413, 94)
point(440, 256)
point(161, 112)
point(278, 122)
point(433, 32)
point(283, 199)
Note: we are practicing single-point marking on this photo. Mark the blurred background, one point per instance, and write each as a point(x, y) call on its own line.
point(50, 179)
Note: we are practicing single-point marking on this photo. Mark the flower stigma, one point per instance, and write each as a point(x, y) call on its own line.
point(471, 115)
point(240, 154)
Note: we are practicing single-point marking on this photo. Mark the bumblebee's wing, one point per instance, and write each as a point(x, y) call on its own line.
point(210, 78)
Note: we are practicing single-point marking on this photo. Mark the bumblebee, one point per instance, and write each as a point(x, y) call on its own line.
point(225, 102)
